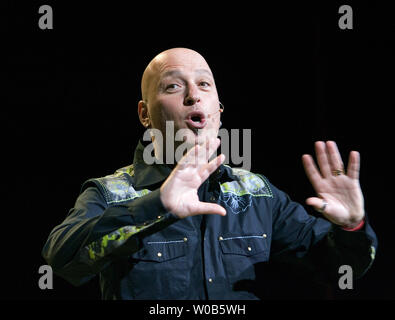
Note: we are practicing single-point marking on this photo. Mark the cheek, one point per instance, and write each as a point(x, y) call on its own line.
point(166, 111)
point(168, 108)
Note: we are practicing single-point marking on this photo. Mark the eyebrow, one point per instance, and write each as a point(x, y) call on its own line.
point(178, 73)
point(208, 72)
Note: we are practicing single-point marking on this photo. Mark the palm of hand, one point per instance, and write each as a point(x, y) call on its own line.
point(179, 192)
point(341, 192)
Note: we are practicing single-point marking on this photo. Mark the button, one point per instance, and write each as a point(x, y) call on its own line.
point(185, 239)
point(264, 235)
point(249, 248)
point(220, 238)
point(159, 217)
point(159, 254)
point(212, 198)
point(210, 280)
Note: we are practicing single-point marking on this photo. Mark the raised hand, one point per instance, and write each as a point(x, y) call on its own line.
point(179, 192)
point(339, 195)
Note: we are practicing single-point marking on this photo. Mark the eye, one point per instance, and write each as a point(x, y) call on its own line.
point(172, 87)
point(204, 84)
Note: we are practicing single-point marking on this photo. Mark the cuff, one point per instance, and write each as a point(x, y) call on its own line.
point(358, 227)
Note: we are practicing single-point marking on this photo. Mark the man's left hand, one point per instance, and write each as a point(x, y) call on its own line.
point(339, 195)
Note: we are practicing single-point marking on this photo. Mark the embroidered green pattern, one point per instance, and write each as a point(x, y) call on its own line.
point(372, 252)
point(102, 247)
point(117, 187)
point(249, 183)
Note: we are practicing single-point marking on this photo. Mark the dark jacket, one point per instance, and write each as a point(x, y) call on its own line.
point(119, 229)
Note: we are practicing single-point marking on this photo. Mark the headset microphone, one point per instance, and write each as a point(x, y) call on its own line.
point(220, 110)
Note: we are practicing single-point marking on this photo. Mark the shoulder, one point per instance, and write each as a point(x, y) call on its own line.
point(117, 187)
point(246, 182)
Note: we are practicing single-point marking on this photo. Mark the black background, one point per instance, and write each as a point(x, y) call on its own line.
point(284, 70)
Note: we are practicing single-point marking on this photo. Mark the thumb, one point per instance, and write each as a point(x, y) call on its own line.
point(319, 204)
point(209, 208)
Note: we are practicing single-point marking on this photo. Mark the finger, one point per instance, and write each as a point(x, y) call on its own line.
point(190, 158)
point(318, 204)
point(335, 160)
point(311, 170)
point(199, 154)
point(353, 165)
point(212, 146)
point(207, 147)
point(322, 159)
point(210, 167)
point(209, 208)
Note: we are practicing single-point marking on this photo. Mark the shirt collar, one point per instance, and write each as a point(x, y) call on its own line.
point(146, 175)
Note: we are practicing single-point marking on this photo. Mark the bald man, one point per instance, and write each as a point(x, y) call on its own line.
point(198, 229)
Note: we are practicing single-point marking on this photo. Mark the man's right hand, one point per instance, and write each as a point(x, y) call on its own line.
point(179, 193)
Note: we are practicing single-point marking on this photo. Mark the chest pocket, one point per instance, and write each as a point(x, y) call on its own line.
point(162, 251)
point(240, 253)
point(160, 270)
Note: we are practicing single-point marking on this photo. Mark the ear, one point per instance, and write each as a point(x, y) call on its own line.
point(142, 110)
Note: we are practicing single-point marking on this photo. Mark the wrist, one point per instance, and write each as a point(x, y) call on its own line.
point(163, 199)
point(355, 226)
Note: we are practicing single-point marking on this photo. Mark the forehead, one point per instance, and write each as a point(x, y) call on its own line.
point(176, 63)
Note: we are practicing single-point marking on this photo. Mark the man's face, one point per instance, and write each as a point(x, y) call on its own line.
point(181, 89)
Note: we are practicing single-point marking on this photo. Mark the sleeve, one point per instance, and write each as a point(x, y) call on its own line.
point(316, 244)
point(93, 233)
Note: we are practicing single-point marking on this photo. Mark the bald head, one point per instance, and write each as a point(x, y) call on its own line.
point(175, 84)
point(167, 60)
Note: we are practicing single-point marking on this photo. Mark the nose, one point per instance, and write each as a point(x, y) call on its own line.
point(192, 96)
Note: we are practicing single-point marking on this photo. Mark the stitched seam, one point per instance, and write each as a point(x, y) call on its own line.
point(127, 199)
point(107, 195)
point(266, 183)
point(246, 192)
point(242, 237)
point(165, 242)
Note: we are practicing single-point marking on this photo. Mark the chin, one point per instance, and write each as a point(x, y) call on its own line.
point(190, 140)
point(191, 137)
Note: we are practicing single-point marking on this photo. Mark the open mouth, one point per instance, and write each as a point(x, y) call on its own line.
point(196, 120)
